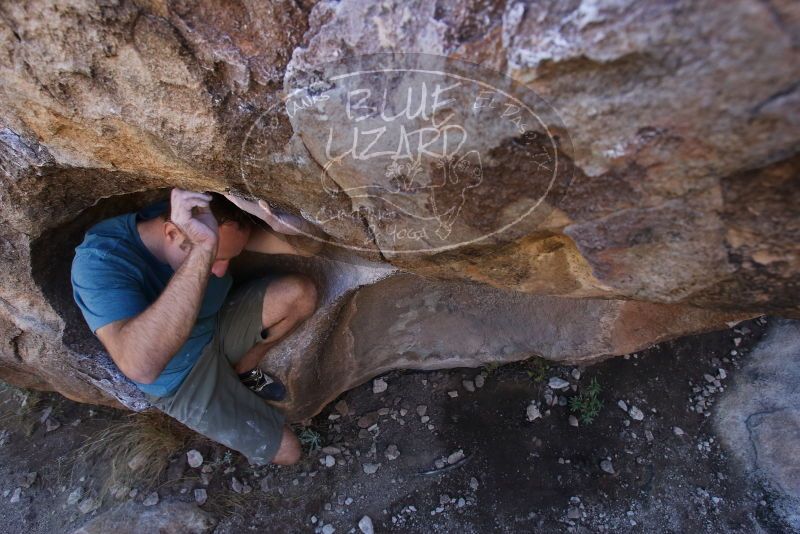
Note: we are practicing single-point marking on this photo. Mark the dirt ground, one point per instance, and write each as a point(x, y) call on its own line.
point(616, 474)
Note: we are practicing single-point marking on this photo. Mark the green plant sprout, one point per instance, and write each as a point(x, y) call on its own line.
point(587, 404)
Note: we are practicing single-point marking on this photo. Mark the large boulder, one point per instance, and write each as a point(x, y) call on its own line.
point(758, 418)
point(653, 196)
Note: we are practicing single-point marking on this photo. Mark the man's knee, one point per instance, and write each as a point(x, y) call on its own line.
point(289, 451)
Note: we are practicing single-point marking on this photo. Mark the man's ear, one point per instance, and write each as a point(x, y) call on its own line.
point(172, 233)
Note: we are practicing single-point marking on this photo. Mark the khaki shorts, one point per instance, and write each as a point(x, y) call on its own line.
point(212, 400)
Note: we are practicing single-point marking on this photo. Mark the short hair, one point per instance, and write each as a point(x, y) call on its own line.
point(223, 210)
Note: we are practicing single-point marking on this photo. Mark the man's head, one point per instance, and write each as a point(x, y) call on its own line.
point(234, 230)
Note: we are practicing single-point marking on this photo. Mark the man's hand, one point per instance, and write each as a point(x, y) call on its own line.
point(282, 223)
point(200, 226)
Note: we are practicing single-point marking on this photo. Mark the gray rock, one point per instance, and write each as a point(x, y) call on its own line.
point(89, 505)
point(573, 421)
point(455, 457)
point(151, 499)
point(51, 425)
point(469, 385)
point(370, 469)
point(636, 414)
point(164, 518)
point(758, 416)
point(379, 385)
point(532, 412)
point(392, 452)
point(200, 496)
point(607, 466)
point(194, 458)
point(365, 525)
point(557, 383)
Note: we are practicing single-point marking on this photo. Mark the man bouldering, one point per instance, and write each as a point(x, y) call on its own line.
point(153, 287)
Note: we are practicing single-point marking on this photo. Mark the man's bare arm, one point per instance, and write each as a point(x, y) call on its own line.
point(287, 234)
point(270, 242)
point(142, 346)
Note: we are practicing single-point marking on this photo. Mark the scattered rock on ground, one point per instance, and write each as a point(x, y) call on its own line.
point(636, 414)
point(392, 452)
point(165, 518)
point(532, 412)
point(379, 385)
point(151, 499)
point(194, 458)
point(557, 383)
point(370, 469)
point(365, 525)
point(607, 466)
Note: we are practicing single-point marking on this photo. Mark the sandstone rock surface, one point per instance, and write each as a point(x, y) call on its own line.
point(675, 210)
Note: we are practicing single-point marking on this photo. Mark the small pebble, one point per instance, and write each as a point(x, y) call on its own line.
point(635, 413)
point(200, 496)
point(379, 385)
point(557, 383)
point(573, 421)
point(607, 466)
point(194, 458)
point(52, 424)
point(365, 525)
point(532, 412)
point(455, 457)
point(370, 469)
point(392, 453)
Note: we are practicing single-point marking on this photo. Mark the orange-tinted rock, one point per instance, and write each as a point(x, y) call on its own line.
point(676, 213)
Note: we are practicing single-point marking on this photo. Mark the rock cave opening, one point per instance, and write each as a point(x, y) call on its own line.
point(53, 251)
point(51, 261)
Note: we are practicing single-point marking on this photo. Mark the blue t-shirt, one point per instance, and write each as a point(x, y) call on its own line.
point(114, 276)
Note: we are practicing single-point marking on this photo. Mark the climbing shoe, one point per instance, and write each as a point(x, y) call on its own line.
point(263, 386)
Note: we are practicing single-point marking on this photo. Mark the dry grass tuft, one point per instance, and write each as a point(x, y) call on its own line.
point(138, 450)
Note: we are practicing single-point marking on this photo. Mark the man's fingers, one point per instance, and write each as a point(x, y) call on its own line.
point(183, 197)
